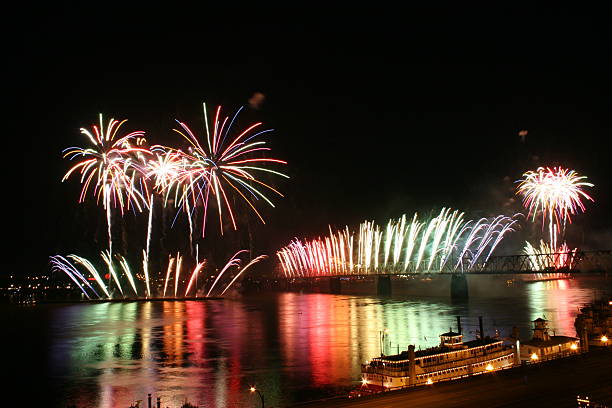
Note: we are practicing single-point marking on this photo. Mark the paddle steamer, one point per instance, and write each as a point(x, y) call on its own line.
point(452, 359)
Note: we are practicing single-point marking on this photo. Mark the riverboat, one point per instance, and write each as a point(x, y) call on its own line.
point(452, 359)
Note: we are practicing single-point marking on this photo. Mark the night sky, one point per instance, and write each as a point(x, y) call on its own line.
point(377, 112)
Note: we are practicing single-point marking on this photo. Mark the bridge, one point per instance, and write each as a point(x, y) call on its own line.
point(599, 261)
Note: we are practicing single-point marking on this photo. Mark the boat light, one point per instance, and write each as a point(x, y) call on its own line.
point(429, 381)
point(574, 346)
point(489, 367)
point(604, 338)
point(534, 356)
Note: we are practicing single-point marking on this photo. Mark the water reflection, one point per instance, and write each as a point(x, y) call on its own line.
point(291, 346)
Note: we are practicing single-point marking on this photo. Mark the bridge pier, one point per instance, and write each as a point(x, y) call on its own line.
point(459, 287)
point(383, 285)
point(335, 285)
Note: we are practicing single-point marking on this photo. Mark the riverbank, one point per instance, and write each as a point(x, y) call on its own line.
point(556, 383)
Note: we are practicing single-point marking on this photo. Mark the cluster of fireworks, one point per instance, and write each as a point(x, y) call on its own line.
point(122, 172)
point(64, 264)
point(556, 194)
point(446, 242)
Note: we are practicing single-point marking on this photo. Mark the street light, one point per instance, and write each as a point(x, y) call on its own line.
point(253, 389)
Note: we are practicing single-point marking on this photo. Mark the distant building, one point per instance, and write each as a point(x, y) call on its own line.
point(543, 346)
point(594, 323)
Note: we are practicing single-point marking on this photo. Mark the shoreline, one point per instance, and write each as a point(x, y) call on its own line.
point(551, 383)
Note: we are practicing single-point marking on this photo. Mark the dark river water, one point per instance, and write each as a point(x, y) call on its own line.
point(293, 347)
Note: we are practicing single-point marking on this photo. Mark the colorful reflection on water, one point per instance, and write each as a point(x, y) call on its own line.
point(293, 347)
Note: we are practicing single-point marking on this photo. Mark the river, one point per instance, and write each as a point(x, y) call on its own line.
point(293, 347)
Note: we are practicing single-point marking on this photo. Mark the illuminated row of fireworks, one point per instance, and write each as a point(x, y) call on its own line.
point(122, 172)
point(87, 277)
point(446, 242)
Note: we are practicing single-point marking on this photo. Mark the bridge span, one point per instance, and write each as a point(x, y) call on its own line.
point(525, 268)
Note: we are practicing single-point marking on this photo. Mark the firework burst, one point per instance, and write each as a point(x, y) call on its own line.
point(225, 164)
point(110, 168)
point(556, 193)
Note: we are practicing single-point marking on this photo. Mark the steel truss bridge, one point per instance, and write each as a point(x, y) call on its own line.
point(579, 261)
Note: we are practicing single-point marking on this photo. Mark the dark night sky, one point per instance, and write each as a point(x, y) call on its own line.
point(378, 113)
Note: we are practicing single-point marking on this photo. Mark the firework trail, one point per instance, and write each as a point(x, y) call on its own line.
point(128, 273)
point(234, 261)
point(170, 264)
point(92, 270)
point(224, 165)
point(59, 263)
point(196, 270)
point(444, 243)
point(242, 270)
point(145, 253)
point(106, 256)
point(177, 272)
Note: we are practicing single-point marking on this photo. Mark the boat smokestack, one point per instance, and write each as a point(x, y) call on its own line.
point(584, 341)
point(517, 353)
point(459, 324)
point(411, 366)
point(481, 329)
